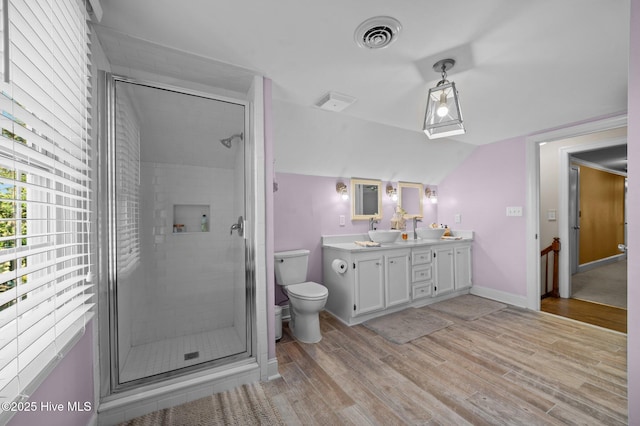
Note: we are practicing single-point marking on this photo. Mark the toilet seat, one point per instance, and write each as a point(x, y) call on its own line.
point(308, 291)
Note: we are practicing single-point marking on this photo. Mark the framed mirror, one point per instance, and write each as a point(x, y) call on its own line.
point(366, 199)
point(410, 198)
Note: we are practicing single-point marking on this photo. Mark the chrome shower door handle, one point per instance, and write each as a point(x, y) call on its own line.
point(238, 227)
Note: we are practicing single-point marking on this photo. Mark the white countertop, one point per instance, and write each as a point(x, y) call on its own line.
point(347, 242)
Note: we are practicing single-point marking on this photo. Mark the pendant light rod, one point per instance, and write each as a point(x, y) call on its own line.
point(442, 67)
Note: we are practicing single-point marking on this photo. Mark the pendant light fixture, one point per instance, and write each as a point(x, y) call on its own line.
point(443, 117)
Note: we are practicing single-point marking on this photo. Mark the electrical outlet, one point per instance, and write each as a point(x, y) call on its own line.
point(341, 220)
point(514, 211)
point(457, 218)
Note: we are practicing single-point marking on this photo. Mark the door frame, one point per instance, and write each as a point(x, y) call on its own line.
point(564, 204)
point(532, 147)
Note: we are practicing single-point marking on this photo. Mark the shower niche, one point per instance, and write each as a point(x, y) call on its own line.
point(191, 218)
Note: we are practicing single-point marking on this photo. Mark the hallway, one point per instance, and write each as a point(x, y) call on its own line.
point(605, 316)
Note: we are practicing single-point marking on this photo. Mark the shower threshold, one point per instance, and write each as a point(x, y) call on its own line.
point(175, 353)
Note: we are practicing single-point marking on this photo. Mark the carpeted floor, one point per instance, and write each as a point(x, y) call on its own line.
point(246, 405)
point(606, 284)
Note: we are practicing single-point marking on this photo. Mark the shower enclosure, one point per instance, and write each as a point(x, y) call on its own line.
point(180, 289)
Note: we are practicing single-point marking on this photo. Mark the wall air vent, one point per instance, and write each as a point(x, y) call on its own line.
point(377, 33)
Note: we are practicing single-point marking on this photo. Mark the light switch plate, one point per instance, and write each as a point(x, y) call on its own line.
point(457, 218)
point(342, 220)
point(514, 211)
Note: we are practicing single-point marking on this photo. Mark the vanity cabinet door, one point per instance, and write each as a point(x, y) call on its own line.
point(369, 283)
point(444, 270)
point(398, 285)
point(463, 267)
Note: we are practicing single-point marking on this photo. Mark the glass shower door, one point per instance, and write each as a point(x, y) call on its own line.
point(178, 186)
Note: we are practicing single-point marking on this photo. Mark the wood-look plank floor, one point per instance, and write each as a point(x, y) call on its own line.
point(606, 316)
point(511, 367)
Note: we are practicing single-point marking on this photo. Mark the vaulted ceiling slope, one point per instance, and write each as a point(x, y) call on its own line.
point(522, 65)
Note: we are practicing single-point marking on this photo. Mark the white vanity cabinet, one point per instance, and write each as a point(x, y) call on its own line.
point(462, 264)
point(452, 268)
point(381, 280)
point(369, 282)
point(397, 284)
point(421, 273)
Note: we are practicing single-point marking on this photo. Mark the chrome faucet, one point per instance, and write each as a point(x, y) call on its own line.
point(415, 225)
point(372, 220)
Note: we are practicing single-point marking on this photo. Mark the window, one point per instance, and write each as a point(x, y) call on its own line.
point(45, 186)
point(127, 184)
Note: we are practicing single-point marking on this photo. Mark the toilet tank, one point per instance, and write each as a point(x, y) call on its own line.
point(291, 266)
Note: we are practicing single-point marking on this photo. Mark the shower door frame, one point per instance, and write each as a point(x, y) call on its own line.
point(106, 200)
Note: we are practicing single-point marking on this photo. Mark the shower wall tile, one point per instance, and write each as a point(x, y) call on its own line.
point(188, 284)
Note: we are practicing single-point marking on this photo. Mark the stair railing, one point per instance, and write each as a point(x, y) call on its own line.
point(555, 248)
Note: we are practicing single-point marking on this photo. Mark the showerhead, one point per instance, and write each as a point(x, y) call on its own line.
point(227, 141)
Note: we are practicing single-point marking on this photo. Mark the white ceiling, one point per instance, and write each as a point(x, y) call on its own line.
point(523, 65)
point(612, 158)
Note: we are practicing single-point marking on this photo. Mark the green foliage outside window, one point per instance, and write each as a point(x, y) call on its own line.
point(8, 207)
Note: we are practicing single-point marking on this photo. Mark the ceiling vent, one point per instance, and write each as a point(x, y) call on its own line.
point(377, 33)
point(336, 102)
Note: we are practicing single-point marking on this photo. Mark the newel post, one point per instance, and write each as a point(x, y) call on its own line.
point(556, 249)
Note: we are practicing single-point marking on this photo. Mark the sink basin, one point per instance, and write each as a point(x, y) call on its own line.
point(430, 233)
point(384, 236)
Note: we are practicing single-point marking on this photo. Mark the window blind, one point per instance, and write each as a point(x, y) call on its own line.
point(45, 186)
point(127, 183)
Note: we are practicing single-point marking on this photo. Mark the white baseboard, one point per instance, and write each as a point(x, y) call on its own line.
point(272, 369)
point(602, 262)
point(499, 296)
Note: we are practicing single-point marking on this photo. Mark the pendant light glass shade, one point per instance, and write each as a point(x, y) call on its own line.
point(443, 117)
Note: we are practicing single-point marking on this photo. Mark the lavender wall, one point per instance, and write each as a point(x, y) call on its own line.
point(633, 287)
point(70, 381)
point(307, 207)
point(491, 179)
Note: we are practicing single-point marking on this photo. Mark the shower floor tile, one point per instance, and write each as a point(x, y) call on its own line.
point(167, 355)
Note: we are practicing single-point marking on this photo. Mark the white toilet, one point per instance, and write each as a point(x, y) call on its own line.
point(306, 298)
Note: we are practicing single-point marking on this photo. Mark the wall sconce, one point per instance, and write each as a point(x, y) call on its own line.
point(392, 192)
point(431, 195)
point(443, 117)
point(341, 189)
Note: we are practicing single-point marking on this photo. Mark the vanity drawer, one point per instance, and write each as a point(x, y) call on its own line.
point(422, 290)
point(421, 273)
point(421, 257)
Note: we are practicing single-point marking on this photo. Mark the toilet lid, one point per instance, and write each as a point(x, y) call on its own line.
point(308, 290)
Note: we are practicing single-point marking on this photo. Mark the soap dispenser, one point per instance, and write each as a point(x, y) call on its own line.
point(204, 223)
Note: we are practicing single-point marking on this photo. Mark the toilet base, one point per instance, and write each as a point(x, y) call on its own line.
point(305, 327)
